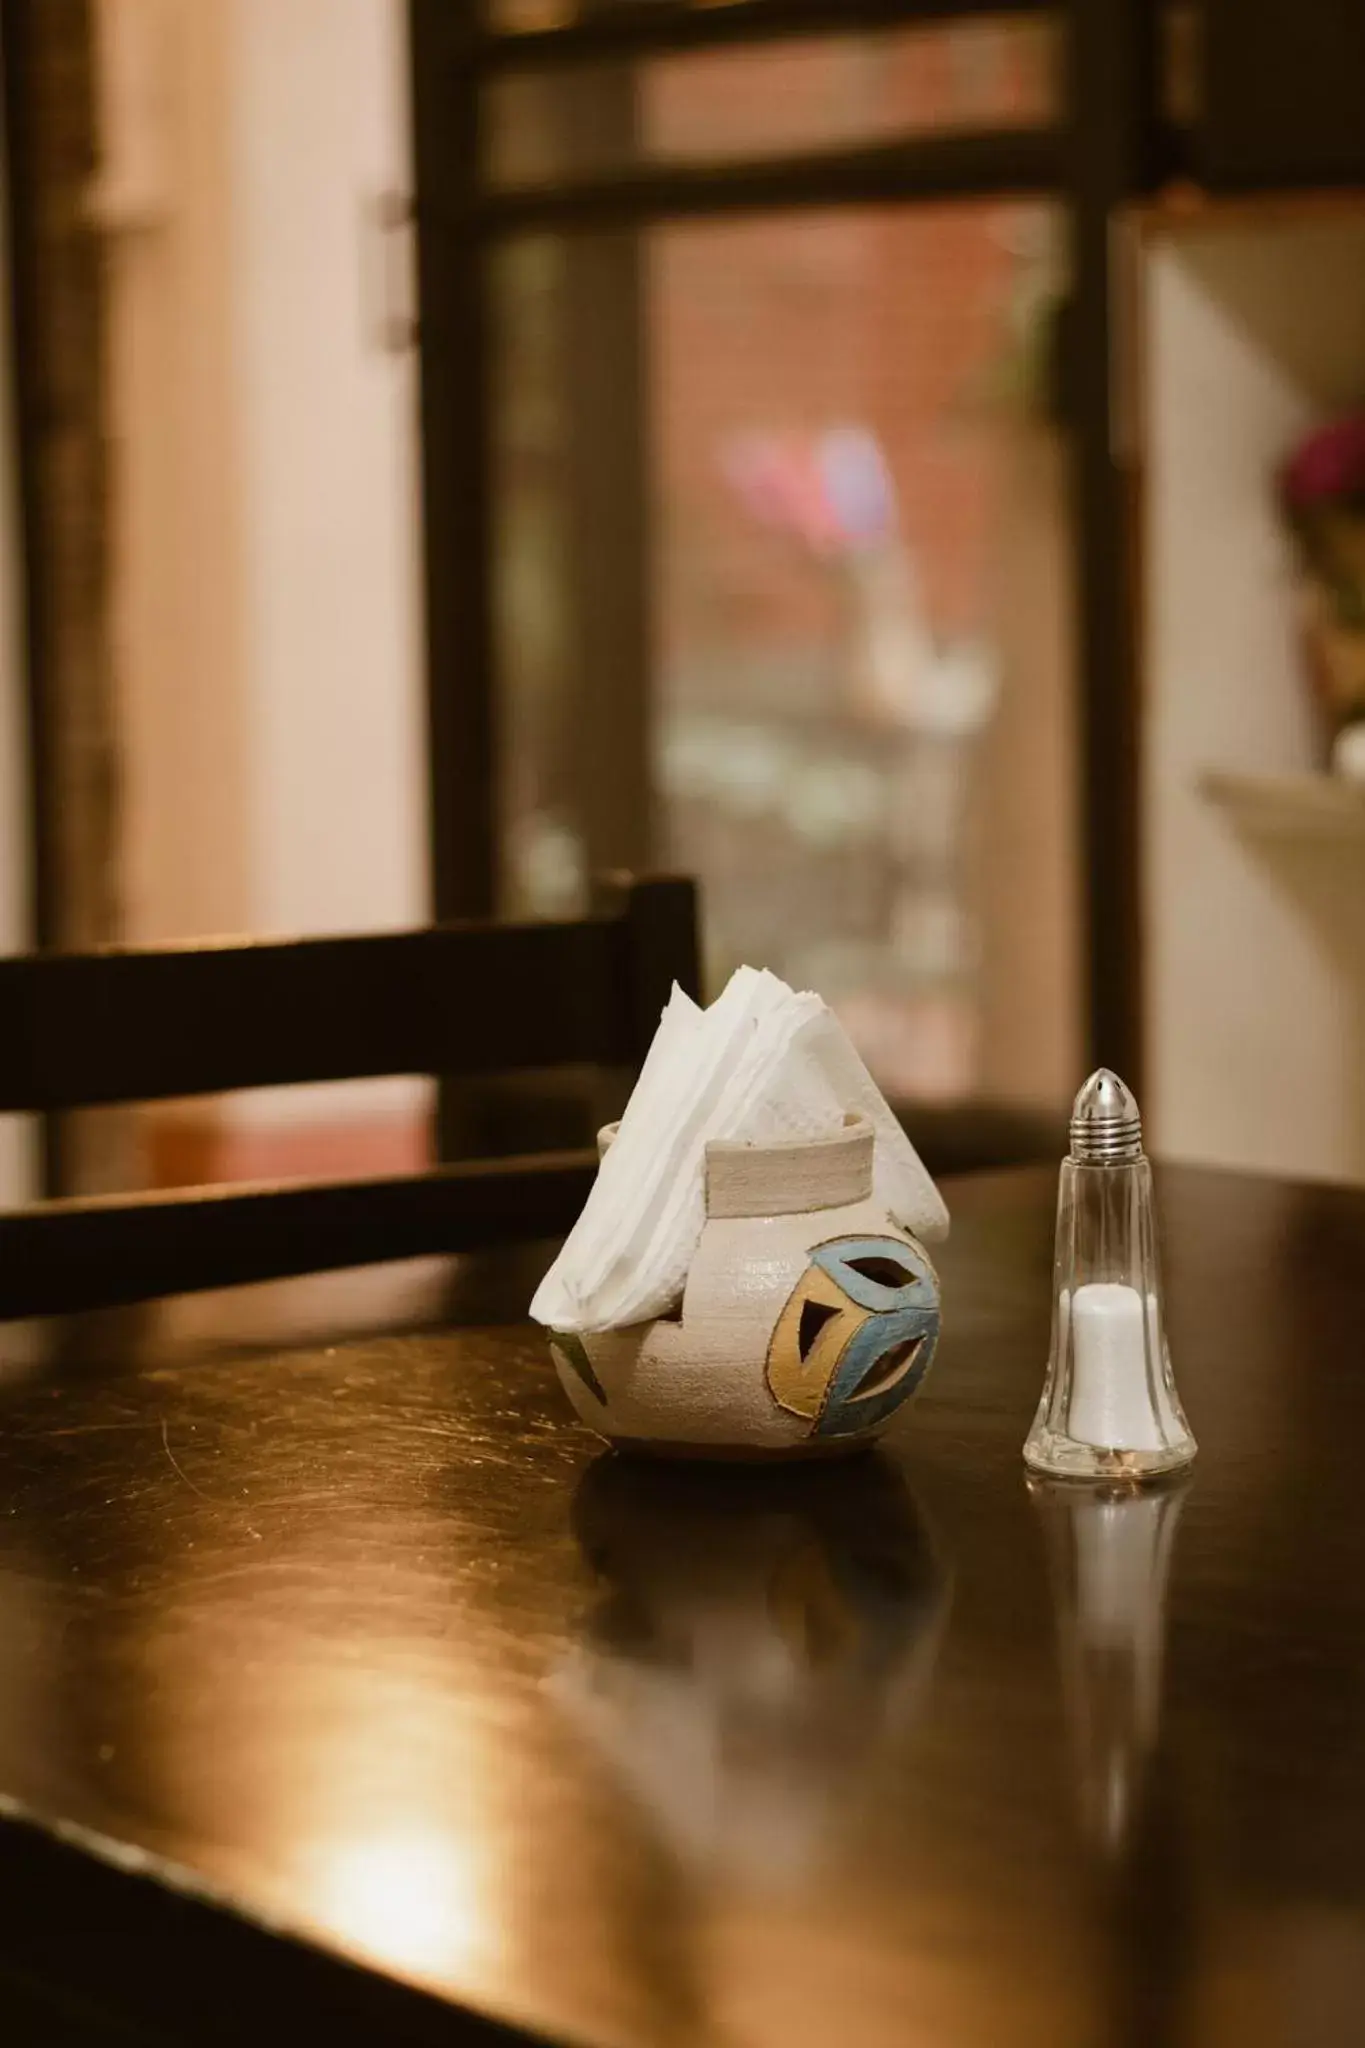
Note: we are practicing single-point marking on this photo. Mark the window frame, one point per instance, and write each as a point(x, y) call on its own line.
point(1107, 149)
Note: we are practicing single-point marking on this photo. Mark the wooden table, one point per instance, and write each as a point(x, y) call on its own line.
point(325, 1645)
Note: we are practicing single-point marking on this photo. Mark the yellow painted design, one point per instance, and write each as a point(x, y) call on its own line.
point(799, 1384)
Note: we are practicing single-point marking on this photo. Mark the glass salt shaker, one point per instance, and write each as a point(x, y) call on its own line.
point(1110, 1409)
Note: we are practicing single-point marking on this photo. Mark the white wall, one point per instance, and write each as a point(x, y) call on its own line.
point(182, 634)
point(338, 820)
point(1254, 329)
point(266, 553)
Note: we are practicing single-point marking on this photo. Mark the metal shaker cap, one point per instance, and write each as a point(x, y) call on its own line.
point(1106, 1124)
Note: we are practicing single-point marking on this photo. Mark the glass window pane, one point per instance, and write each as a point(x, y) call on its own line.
point(771, 98)
point(793, 617)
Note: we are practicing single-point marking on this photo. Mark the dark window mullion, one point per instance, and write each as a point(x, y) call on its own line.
point(640, 28)
point(607, 492)
point(936, 167)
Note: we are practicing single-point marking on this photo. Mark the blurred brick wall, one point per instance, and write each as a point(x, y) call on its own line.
point(803, 321)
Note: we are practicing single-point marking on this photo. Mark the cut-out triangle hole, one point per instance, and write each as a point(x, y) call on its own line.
point(886, 1272)
point(814, 1316)
point(889, 1370)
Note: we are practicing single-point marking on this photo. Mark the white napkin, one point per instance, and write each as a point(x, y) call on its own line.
point(762, 1063)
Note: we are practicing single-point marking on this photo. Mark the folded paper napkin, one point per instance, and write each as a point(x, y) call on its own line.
point(763, 1063)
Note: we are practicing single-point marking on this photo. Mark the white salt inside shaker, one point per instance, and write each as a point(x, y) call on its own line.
point(1111, 1404)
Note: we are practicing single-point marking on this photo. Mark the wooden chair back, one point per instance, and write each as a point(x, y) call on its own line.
point(123, 1026)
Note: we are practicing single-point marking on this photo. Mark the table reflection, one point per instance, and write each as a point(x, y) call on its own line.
point(761, 1637)
point(1109, 1554)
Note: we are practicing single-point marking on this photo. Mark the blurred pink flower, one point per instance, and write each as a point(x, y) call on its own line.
point(832, 491)
point(1329, 465)
point(778, 481)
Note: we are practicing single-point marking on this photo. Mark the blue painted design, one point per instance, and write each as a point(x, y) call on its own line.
point(837, 1259)
point(893, 1316)
point(845, 1412)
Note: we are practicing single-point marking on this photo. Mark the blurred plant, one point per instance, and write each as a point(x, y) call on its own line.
point(1321, 488)
point(1022, 377)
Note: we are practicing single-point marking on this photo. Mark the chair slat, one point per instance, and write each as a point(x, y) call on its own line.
point(61, 1257)
point(126, 1026)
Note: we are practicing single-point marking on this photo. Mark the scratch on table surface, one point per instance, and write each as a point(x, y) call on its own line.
point(177, 1466)
point(99, 1428)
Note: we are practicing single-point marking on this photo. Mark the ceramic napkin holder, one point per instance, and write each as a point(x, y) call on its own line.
point(809, 1316)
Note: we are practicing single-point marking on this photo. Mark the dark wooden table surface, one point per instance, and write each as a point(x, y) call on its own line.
point(327, 1638)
